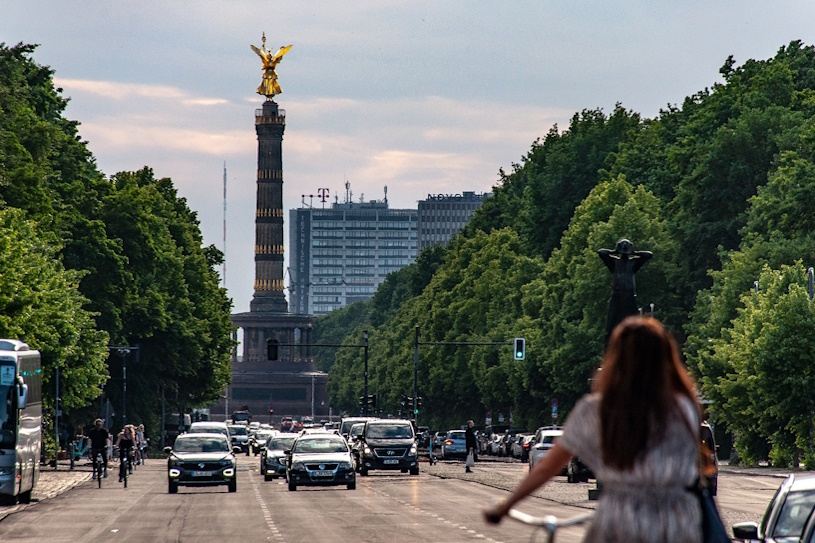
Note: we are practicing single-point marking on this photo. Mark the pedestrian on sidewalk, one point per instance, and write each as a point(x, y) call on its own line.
point(470, 444)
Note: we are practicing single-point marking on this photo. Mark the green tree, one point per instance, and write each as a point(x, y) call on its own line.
point(40, 304)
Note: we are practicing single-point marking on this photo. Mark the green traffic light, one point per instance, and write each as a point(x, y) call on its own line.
point(415, 411)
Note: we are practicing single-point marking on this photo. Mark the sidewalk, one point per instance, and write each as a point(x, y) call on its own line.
point(53, 483)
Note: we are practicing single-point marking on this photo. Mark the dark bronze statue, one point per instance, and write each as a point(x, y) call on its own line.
point(623, 262)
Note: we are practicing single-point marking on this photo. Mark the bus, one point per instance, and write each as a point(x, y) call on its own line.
point(20, 420)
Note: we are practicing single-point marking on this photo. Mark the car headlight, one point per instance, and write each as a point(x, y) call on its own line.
point(227, 462)
point(7, 470)
point(366, 450)
point(298, 466)
point(344, 465)
point(413, 450)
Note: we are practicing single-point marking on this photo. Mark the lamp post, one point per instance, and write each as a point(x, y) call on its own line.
point(123, 351)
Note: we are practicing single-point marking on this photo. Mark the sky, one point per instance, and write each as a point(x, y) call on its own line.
point(422, 97)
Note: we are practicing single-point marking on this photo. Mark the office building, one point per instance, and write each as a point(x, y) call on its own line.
point(341, 254)
point(441, 216)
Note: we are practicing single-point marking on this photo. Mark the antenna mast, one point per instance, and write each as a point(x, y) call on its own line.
point(224, 265)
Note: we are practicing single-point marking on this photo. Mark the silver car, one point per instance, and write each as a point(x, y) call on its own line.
point(544, 440)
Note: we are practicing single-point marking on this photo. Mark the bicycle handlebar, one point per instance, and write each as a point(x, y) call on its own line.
point(550, 523)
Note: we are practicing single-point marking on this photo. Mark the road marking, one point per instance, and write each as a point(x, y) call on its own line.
point(267, 515)
point(418, 509)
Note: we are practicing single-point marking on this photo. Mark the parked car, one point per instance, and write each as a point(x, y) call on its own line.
point(509, 439)
point(789, 517)
point(438, 440)
point(526, 445)
point(273, 455)
point(320, 460)
point(543, 441)
point(518, 445)
point(577, 471)
point(710, 443)
point(204, 459)
point(455, 445)
point(388, 444)
point(495, 446)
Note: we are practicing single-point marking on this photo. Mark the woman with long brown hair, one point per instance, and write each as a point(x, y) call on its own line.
point(636, 432)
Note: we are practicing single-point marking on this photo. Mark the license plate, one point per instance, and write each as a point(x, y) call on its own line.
point(390, 461)
point(202, 474)
point(323, 473)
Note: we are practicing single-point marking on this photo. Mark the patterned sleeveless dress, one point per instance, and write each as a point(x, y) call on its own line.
point(649, 503)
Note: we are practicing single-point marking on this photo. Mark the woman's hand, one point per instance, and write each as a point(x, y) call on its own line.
point(494, 513)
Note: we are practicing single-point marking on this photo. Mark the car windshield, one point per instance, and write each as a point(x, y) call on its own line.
point(389, 431)
point(200, 444)
point(321, 445)
point(280, 443)
point(455, 435)
point(238, 430)
point(794, 514)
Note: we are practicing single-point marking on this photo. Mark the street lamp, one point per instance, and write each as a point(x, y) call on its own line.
point(123, 351)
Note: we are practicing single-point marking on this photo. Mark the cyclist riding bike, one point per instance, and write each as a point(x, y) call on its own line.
point(125, 441)
point(99, 437)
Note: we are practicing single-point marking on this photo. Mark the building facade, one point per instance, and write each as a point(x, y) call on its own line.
point(341, 254)
point(442, 216)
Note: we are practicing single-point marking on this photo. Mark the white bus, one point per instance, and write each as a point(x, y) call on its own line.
point(20, 420)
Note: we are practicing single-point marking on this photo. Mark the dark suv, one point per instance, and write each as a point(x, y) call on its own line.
point(388, 444)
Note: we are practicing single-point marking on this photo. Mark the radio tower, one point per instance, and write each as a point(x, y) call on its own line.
point(223, 275)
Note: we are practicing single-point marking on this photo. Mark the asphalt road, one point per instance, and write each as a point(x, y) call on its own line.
point(387, 507)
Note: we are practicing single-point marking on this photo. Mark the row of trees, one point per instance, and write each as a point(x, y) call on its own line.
point(719, 189)
point(88, 261)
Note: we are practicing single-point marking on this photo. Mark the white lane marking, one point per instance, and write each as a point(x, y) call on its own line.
point(267, 516)
point(474, 533)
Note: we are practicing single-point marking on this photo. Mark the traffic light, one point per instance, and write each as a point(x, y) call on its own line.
point(403, 400)
point(271, 349)
point(271, 411)
point(362, 401)
point(374, 400)
point(520, 348)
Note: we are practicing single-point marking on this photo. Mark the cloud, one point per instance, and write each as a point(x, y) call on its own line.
point(113, 90)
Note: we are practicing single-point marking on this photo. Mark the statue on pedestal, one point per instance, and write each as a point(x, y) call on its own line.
point(623, 262)
point(269, 86)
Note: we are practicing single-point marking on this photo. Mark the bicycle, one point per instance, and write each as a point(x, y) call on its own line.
point(98, 465)
point(123, 467)
point(550, 523)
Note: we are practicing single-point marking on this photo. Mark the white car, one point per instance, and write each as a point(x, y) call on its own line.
point(543, 441)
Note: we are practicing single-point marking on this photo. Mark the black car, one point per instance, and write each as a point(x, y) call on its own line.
point(201, 460)
point(320, 460)
point(388, 444)
point(273, 455)
point(789, 517)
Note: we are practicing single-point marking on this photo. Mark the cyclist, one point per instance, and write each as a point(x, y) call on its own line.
point(99, 437)
point(141, 443)
point(125, 441)
point(635, 433)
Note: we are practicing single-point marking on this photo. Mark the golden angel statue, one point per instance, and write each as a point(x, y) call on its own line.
point(269, 86)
